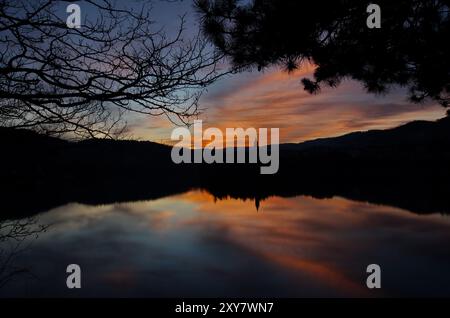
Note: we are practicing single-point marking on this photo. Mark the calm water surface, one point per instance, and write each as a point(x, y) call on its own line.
point(192, 245)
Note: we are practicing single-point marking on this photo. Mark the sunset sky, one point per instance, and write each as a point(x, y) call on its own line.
point(275, 99)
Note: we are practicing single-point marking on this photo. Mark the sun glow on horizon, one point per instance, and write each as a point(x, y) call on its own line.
point(276, 99)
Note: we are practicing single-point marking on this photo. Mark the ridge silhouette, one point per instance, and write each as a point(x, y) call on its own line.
point(405, 167)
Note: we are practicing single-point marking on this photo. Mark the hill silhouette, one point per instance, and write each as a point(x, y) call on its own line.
point(405, 167)
point(413, 136)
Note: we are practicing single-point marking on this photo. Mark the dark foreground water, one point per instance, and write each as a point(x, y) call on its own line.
point(191, 245)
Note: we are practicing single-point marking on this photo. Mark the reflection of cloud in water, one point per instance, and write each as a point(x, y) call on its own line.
point(190, 245)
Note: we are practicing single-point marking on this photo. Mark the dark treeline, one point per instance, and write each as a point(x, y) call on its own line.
point(405, 167)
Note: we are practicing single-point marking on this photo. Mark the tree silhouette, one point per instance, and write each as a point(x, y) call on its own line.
point(80, 81)
point(410, 49)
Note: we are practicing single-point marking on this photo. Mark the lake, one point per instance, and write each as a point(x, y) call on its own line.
point(192, 245)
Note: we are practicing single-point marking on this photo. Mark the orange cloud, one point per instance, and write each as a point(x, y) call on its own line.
point(276, 99)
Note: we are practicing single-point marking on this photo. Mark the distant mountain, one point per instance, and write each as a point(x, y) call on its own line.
point(407, 167)
point(22, 138)
point(411, 137)
point(417, 135)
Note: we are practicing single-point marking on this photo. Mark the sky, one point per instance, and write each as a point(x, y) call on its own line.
point(276, 99)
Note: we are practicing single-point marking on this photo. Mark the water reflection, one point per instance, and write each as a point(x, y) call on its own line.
point(194, 245)
point(15, 238)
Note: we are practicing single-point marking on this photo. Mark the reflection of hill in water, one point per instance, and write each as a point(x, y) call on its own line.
point(406, 167)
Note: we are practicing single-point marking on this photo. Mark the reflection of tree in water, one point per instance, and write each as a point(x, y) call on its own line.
point(15, 238)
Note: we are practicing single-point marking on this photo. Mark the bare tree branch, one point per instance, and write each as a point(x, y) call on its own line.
point(62, 80)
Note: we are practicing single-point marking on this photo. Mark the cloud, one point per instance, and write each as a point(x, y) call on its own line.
point(276, 99)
